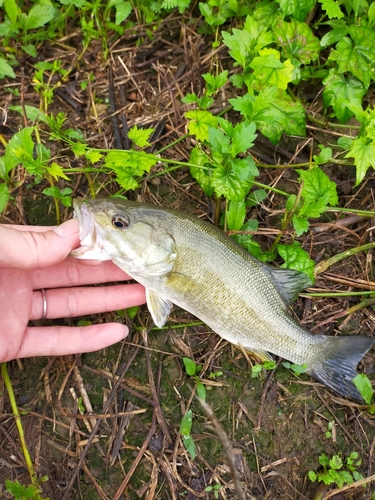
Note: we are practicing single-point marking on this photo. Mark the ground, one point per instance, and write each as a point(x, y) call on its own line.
point(273, 427)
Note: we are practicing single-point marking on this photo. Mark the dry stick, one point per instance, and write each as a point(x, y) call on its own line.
point(159, 413)
point(98, 488)
point(263, 397)
point(227, 448)
point(138, 458)
point(112, 108)
point(96, 427)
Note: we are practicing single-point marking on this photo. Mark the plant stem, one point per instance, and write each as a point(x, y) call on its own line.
point(12, 399)
point(325, 264)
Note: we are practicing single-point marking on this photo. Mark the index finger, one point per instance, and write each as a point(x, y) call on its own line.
point(73, 273)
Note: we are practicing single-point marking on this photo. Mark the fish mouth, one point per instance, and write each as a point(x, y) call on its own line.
point(87, 230)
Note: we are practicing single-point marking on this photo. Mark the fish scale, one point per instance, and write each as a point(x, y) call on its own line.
point(183, 260)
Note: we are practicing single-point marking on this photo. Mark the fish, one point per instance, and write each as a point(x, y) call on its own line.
point(183, 260)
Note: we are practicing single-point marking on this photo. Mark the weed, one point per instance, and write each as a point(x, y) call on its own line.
point(336, 470)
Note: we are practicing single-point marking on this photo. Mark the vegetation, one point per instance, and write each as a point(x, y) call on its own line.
point(273, 125)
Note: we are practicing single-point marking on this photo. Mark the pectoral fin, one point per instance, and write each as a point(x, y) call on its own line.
point(159, 307)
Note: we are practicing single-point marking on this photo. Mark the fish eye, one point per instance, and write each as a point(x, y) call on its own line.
point(120, 222)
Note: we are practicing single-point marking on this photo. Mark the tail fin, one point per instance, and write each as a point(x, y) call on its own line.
point(339, 365)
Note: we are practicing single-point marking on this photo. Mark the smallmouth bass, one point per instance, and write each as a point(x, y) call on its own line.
point(183, 260)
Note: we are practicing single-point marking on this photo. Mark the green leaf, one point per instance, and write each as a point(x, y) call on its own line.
point(201, 121)
point(202, 176)
point(4, 196)
point(214, 83)
point(186, 423)
point(189, 445)
point(52, 191)
point(297, 41)
point(312, 476)
point(296, 258)
point(123, 10)
point(338, 90)
point(296, 8)
point(300, 224)
point(6, 69)
point(363, 384)
point(136, 161)
point(140, 136)
point(30, 49)
point(233, 180)
point(324, 461)
point(318, 186)
point(93, 155)
point(56, 171)
point(363, 152)
point(243, 138)
point(39, 15)
point(218, 140)
point(11, 9)
point(79, 149)
point(270, 71)
point(236, 215)
point(356, 55)
point(324, 156)
point(273, 111)
point(332, 9)
point(201, 391)
point(20, 147)
point(335, 463)
point(190, 366)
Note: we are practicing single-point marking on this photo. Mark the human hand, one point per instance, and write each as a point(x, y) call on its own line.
point(33, 259)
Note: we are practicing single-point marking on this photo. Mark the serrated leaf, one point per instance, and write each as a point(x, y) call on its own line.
point(140, 136)
point(297, 258)
point(201, 121)
point(52, 191)
point(296, 8)
point(79, 149)
point(363, 152)
point(356, 55)
point(273, 111)
point(317, 185)
point(93, 155)
point(240, 44)
point(243, 138)
point(339, 89)
point(6, 69)
point(19, 149)
point(218, 140)
point(236, 215)
point(215, 82)
point(297, 41)
point(190, 366)
point(56, 171)
point(202, 176)
point(136, 162)
point(126, 180)
point(363, 384)
point(300, 224)
point(332, 9)
point(270, 71)
point(39, 15)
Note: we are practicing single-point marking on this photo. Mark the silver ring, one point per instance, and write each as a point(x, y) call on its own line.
point(44, 316)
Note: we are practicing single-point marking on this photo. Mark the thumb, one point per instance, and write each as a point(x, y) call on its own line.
point(37, 249)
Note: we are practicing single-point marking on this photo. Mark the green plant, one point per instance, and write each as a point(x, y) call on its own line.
point(257, 369)
point(21, 492)
point(215, 489)
point(364, 386)
point(185, 428)
point(192, 369)
point(336, 470)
